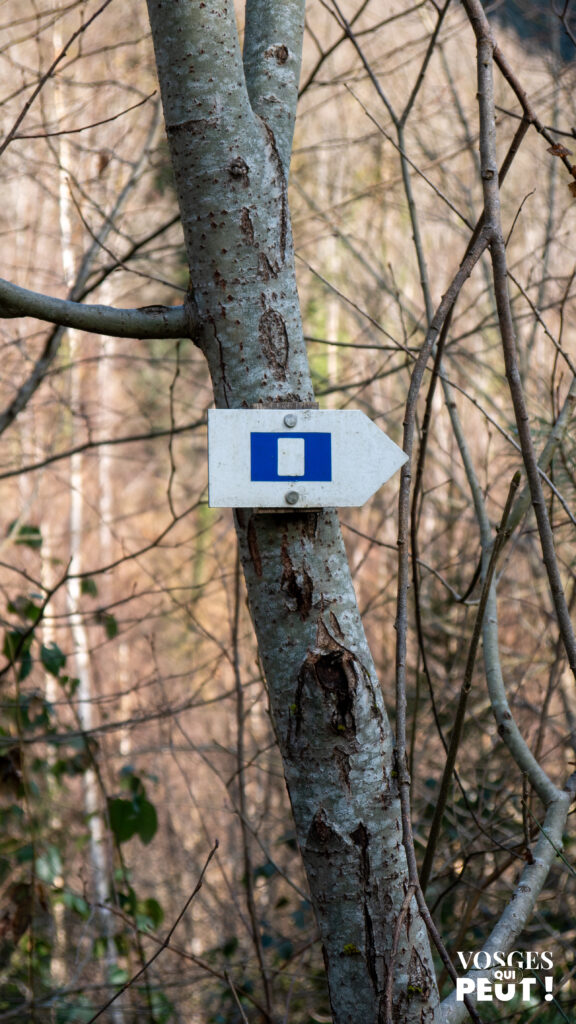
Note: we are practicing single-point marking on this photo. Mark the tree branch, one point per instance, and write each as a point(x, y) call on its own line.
point(145, 322)
point(486, 54)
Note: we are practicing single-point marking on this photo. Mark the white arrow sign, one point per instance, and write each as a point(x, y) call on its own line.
point(299, 458)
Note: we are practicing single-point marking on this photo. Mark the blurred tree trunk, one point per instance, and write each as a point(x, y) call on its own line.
point(229, 120)
point(101, 868)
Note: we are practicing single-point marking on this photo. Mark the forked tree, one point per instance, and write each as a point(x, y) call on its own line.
point(229, 117)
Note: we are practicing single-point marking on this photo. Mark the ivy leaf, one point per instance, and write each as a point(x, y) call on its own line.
point(25, 608)
point(132, 817)
point(149, 914)
point(25, 664)
point(109, 622)
point(147, 822)
point(52, 658)
point(26, 534)
point(123, 819)
point(266, 870)
point(17, 649)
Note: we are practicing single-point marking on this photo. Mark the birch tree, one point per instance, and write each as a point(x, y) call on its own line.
point(229, 116)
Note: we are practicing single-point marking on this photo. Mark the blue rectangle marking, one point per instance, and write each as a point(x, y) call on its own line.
point(264, 456)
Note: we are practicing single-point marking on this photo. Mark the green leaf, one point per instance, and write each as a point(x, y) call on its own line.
point(72, 766)
point(284, 949)
point(123, 819)
point(26, 534)
point(25, 854)
point(16, 643)
point(80, 1012)
point(70, 683)
point(109, 622)
point(301, 917)
point(149, 914)
point(111, 626)
point(52, 658)
point(88, 586)
point(133, 817)
point(266, 870)
point(33, 709)
point(118, 975)
point(127, 900)
point(16, 647)
point(147, 822)
point(25, 608)
point(160, 1005)
point(25, 664)
point(49, 865)
point(78, 904)
point(230, 946)
point(135, 785)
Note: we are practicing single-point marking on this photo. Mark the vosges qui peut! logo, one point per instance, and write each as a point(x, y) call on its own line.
point(504, 976)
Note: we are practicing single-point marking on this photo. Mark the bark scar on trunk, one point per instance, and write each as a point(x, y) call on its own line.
point(281, 182)
point(361, 839)
point(418, 977)
point(280, 53)
point(336, 678)
point(266, 269)
point(238, 171)
point(297, 585)
point(335, 669)
point(194, 126)
point(331, 669)
point(225, 385)
point(342, 758)
point(246, 225)
point(273, 338)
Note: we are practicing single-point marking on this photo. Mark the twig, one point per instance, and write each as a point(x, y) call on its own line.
point(85, 127)
point(487, 50)
point(235, 994)
point(48, 74)
point(501, 538)
point(150, 435)
point(165, 942)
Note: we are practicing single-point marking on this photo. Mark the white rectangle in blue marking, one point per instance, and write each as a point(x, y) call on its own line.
point(291, 456)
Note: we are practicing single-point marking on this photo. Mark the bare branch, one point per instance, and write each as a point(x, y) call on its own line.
point(144, 322)
point(48, 74)
point(165, 943)
point(485, 43)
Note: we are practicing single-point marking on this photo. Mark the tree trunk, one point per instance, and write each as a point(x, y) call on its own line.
point(229, 125)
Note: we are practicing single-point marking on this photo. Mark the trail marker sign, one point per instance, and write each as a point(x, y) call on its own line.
point(299, 458)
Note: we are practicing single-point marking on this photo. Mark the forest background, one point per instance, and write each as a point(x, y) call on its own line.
point(135, 729)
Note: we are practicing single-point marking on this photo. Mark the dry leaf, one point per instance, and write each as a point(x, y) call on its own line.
point(557, 149)
point(572, 187)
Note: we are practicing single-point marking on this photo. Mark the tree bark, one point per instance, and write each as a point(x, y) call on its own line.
point(229, 124)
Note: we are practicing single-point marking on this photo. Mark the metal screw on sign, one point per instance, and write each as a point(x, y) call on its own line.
point(292, 497)
point(290, 420)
